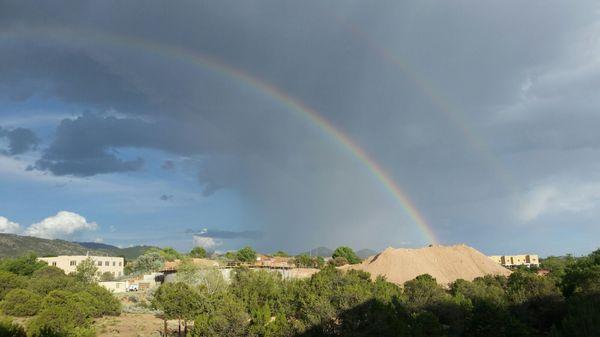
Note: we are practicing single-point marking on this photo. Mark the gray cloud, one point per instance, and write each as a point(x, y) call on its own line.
point(166, 197)
point(481, 92)
point(20, 140)
point(168, 165)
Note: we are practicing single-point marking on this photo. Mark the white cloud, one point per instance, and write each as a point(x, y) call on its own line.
point(548, 199)
point(206, 242)
point(98, 240)
point(62, 225)
point(7, 226)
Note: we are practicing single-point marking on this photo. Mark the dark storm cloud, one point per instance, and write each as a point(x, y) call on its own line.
point(20, 140)
point(88, 145)
point(31, 68)
point(473, 86)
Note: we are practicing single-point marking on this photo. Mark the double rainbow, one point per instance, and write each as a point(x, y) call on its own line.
point(206, 62)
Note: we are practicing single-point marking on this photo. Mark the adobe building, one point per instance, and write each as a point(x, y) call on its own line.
point(517, 260)
point(69, 263)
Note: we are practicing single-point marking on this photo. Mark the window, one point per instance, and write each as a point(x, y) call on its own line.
point(119, 274)
point(73, 263)
point(100, 263)
point(54, 263)
point(114, 263)
point(106, 263)
point(120, 264)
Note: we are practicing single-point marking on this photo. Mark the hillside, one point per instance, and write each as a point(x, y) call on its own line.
point(445, 263)
point(365, 253)
point(320, 251)
point(12, 245)
point(130, 253)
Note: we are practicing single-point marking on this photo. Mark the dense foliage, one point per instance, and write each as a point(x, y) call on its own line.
point(198, 252)
point(246, 254)
point(60, 305)
point(345, 253)
point(337, 303)
point(330, 303)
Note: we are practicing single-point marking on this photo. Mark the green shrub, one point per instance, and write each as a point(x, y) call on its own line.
point(103, 301)
point(10, 329)
point(48, 271)
point(246, 254)
point(21, 302)
point(63, 311)
point(49, 281)
point(228, 319)
point(10, 281)
point(24, 265)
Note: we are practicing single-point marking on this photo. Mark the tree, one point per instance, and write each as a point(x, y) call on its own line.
point(177, 301)
point(423, 291)
point(107, 276)
point(148, 262)
point(228, 318)
point(170, 254)
point(347, 253)
point(24, 265)
point(86, 271)
point(198, 252)
point(21, 302)
point(281, 253)
point(305, 261)
point(188, 272)
point(246, 254)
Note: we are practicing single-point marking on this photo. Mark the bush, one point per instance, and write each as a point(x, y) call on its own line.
point(228, 319)
point(10, 281)
point(24, 265)
point(21, 302)
point(198, 252)
point(339, 261)
point(10, 329)
point(107, 276)
point(103, 301)
point(246, 254)
point(64, 312)
point(49, 281)
point(48, 271)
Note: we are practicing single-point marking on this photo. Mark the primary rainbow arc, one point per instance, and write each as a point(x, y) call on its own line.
point(205, 61)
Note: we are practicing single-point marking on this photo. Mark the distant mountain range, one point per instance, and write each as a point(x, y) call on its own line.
point(12, 245)
point(327, 252)
point(365, 253)
point(320, 251)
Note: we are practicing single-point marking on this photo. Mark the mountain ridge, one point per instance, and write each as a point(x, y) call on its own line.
point(13, 245)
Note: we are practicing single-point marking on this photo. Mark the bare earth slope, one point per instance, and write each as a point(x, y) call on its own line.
point(445, 263)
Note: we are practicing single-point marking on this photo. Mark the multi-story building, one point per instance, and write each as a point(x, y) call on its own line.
point(517, 260)
point(69, 263)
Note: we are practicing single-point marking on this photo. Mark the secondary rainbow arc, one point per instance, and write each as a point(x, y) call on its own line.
point(206, 62)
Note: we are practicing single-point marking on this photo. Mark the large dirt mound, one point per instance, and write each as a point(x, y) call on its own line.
point(445, 263)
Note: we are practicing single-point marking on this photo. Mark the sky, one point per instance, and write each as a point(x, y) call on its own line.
point(288, 125)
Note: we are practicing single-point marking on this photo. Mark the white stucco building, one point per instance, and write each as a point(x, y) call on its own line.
point(69, 263)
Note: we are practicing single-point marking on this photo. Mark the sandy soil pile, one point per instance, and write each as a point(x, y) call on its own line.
point(445, 263)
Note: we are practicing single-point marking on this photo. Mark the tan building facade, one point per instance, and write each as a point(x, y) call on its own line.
point(517, 260)
point(69, 263)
